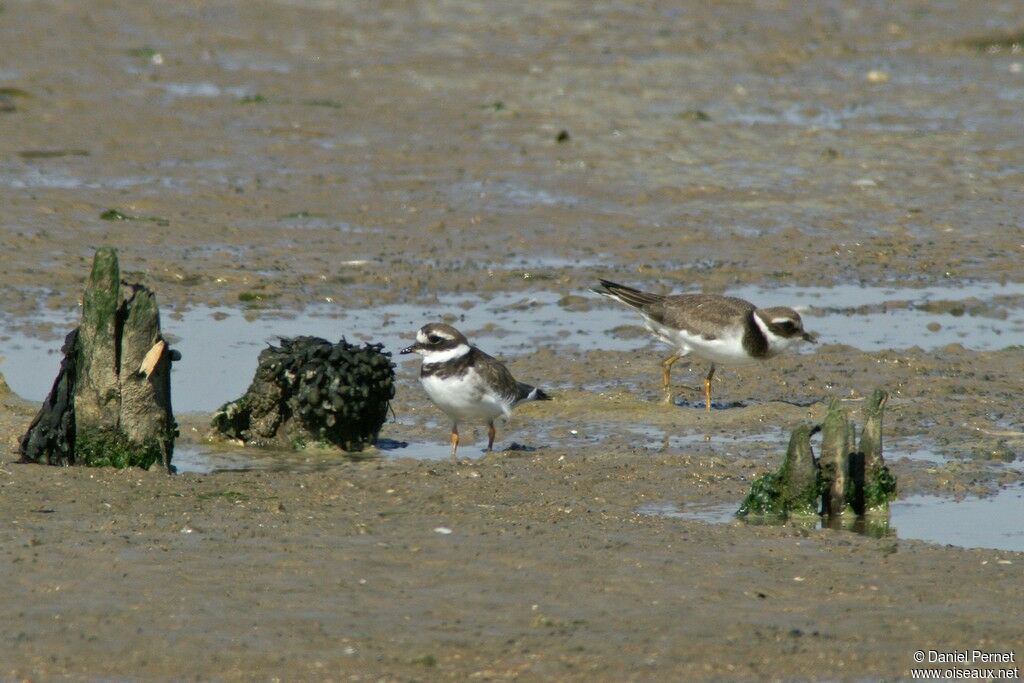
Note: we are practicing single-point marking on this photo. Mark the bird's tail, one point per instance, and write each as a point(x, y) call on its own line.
point(527, 393)
point(627, 295)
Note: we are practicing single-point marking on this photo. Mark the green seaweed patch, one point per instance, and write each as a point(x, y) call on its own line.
point(425, 660)
point(253, 99)
point(52, 153)
point(15, 92)
point(879, 489)
point(255, 297)
point(145, 52)
point(111, 447)
point(119, 215)
point(765, 497)
point(497, 105)
point(330, 104)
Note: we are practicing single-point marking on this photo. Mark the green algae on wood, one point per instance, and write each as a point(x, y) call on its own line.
point(97, 389)
point(879, 482)
point(847, 479)
point(111, 447)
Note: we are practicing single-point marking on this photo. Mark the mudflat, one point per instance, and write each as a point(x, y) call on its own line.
point(291, 163)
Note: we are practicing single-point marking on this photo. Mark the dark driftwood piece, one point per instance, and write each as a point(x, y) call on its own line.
point(50, 438)
point(308, 391)
point(111, 401)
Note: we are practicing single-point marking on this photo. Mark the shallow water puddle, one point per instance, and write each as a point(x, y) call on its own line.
point(220, 346)
point(656, 438)
point(991, 522)
point(210, 459)
point(995, 522)
point(202, 459)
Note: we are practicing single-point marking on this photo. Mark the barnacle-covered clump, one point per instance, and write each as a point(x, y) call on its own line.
point(308, 390)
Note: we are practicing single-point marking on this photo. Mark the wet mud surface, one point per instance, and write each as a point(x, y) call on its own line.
point(359, 169)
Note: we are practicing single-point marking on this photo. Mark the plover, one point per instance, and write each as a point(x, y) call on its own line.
point(466, 383)
point(719, 329)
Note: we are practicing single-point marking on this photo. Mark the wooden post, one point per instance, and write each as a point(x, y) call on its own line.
point(145, 375)
point(800, 474)
point(835, 451)
point(97, 387)
point(879, 482)
point(871, 436)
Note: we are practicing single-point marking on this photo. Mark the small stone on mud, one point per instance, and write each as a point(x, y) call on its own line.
point(573, 302)
point(693, 115)
point(628, 331)
point(934, 327)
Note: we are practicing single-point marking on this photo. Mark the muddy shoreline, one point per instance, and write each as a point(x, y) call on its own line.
point(313, 163)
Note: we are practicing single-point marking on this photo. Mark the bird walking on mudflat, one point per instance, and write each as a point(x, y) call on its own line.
point(720, 329)
point(466, 383)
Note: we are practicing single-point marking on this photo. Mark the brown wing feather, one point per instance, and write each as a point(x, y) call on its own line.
point(628, 295)
point(494, 372)
point(702, 314)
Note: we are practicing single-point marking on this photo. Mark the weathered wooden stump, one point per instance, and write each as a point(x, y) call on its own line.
point(111, 401)
point(835, 458)
point(849, 481)
point(308, 391)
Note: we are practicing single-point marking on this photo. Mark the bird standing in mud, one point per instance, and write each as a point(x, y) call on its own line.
point(719, 329)
point(466, 383)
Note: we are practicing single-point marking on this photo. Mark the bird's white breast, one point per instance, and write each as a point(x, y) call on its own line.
point(726, 349)
point(466, 397)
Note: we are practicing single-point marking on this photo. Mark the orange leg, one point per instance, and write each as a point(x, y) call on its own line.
point(707, 388)
point(490, 436)
point(666, 375)
point(455, 442)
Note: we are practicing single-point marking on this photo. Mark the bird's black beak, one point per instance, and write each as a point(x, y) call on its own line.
point(409, 349)
point(810, 337)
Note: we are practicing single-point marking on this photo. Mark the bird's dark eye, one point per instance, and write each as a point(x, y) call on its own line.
point(434, 339)
point(788, 327)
